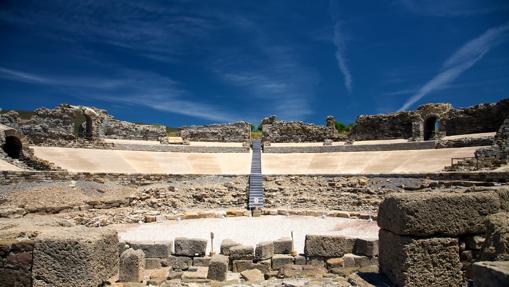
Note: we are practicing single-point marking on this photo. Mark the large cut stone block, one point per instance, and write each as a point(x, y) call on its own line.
point(218, 268)
point(161, 249)
point(408, 261)
point(437, 213)
point(367, 247)
point(280, 260)
point(496, 246)
point(264, 250)
point(328, 245)
point(77, 256)
point(491, 274)
point(226, 245)
point(283, 246)
point(132, 266)
point(241, 252)
point(190, 246)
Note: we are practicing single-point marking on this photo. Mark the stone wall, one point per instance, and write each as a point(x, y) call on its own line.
point(67, 124)
point(357, 193)
point(350, 148)
point(379, 127)
point(431, 121)
point(430, 238)
point(274, 130)
point(115, 129)
point(234, 132)
point(52, 256)
point(477, 119)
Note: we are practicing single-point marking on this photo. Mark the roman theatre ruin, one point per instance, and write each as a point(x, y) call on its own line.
point(418, 198)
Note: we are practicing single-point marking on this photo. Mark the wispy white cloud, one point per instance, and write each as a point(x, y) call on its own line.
point(129, 87)
point(341, 58)
point(463, 59)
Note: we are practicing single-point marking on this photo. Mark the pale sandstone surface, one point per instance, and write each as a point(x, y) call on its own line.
point(97, 160)
point(410, 161)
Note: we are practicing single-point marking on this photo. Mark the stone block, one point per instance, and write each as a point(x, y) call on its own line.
point(190, 246)
point(226, 245)
point(328, 245)
point(437, 213)
point(410, 261)
point(218, 268)
point(241, 252)
point(76, 256)
point(153, 249)
point(491, 273)
point(367, 247)
point(283, 246)
point(132, 266)
point(201, 261)
point(300, 260)
point(180, 262)
point(253, 275)
point(280, 260)
point(264, 250)
point(302, 271)
point(335, 262)
point(152, 263)
point(241, 265)
point(496, 245)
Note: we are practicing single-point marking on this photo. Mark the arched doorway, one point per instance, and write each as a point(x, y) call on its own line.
point(83, 126)
point(431, 126)
point(13, 146)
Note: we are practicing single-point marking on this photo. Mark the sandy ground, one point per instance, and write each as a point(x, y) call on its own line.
point(410, 161)
point(97, 160)
point(250, 230)
point(7, 166)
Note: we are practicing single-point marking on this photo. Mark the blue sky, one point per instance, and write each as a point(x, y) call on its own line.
point(197, 62)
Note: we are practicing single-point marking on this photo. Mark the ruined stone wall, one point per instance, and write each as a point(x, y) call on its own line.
point(413, 125)
point(70, 125)
point(379, 127)
point(477, 119)
point(277, 131)
point(234, 132)
point(115, 129)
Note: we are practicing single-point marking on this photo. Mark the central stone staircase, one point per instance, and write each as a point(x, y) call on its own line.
point(256, 199)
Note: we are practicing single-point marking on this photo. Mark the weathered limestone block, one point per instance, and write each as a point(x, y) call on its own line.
point(152, 263)
point(328, 245)
point(197, 274)
point(283, 246)
point(280, 260)
point(201, 261)
point(437, 213)
point(132, 266)
point(75, 256)
point(300, 260)
point(218, 268)
point(491, 274)
point(180, 262)
point(190, 246)
point(153, 249)
point(367, 247)
point(241, 265)
point(241, 252)
point(496, 245)
point(226, 245)
point(264, 250)
point(408, 261)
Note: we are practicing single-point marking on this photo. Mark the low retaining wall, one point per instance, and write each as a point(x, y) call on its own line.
point(350, 148)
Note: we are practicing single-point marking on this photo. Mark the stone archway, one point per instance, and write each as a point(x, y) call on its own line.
point(431, 127)
point(13, 147)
